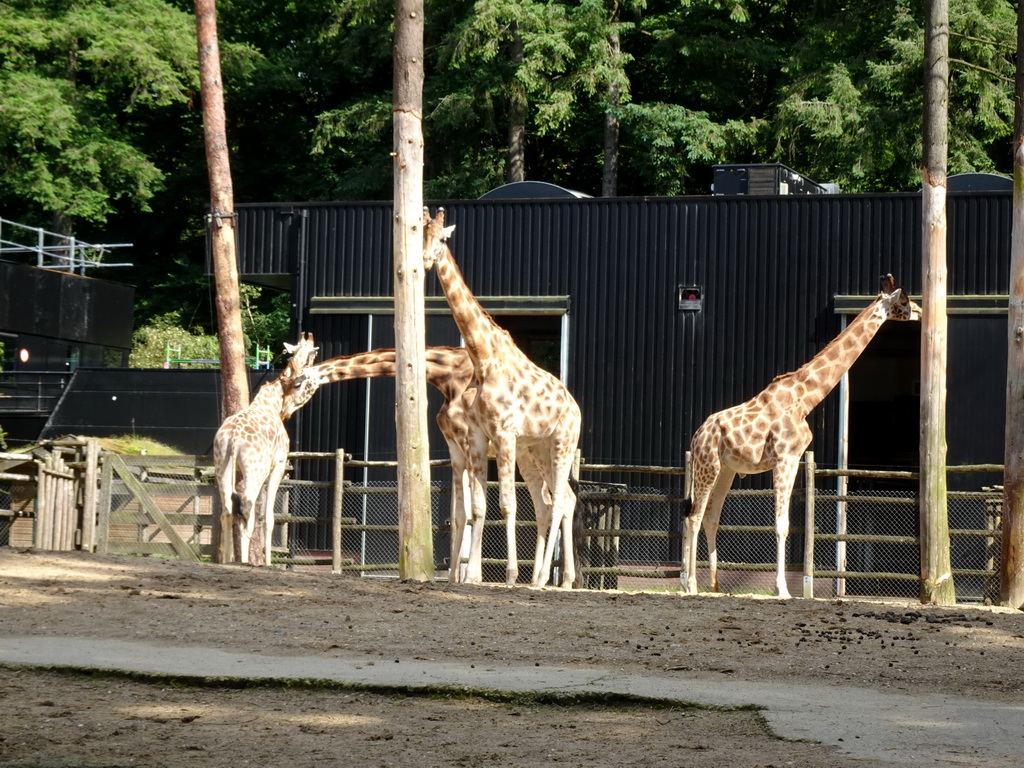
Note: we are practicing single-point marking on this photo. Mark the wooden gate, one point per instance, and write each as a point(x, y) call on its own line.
point(155, 505)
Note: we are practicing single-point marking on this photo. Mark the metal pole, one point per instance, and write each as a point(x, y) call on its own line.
point(809, 499)
point(339, 498)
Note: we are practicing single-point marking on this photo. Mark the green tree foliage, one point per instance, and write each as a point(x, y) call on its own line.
point(850, 107)
point(77, 81)
point(172, 334)
point(100, 124)
point(164, 336)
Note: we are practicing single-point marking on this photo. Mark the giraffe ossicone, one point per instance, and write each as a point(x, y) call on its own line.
point(517, 409)
point(770, 432)
point(250, 451)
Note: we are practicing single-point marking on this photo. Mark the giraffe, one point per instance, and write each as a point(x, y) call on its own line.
point(770, 432)
point(250, 450)
point(518, 409)
point(450, 371)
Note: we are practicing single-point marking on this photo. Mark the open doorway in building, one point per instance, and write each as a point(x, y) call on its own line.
point(539, 337)
point(882, 427)
point(884, 390)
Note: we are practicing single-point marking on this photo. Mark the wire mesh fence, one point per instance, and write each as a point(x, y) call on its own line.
point(864, 541)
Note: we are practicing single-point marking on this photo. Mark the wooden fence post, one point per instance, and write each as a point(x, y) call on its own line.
point(40, 536)
point(106, 498)
point(810, 497)
point(89, 494)
point(67, 511)
point(339, 498)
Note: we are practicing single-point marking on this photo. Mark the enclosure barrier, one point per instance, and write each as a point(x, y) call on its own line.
point(855, 542)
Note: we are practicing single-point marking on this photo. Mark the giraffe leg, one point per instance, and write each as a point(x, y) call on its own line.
point(701, 494)
point(568, 554)
point(506, 459)
point(477, 482)
point(247, 500)
point(534, 479)
point(458, 518)
point(273, 483)
point(784, 478)
point(712, 515)
point(224, 467)
point(560, 514)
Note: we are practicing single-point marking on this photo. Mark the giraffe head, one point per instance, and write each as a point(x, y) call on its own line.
point(895, 302)
point(435, 237)
point(296, 386)
point(302, 354)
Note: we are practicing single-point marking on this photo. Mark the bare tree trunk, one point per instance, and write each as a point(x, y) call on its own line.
point(221, 229)
point(610, 169)
point(936, 571)
point(415, 530)
point(517, 109)
point(1011, 564)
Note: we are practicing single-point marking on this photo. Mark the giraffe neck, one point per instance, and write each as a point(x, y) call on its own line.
point(270, 398)
point(479, 333)
point(448, 369)
point(812, 382)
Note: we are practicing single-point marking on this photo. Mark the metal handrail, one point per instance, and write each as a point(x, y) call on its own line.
point(68, 252)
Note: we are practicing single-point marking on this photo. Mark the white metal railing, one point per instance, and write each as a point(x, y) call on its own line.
point(54, 250)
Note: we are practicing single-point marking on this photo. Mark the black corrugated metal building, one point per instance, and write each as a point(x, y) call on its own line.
point(594, 287)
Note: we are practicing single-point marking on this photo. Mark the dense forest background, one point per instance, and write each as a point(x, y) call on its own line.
point(101, 130)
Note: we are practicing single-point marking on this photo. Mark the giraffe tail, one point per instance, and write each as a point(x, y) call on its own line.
point(236, 503)
point(687, 507)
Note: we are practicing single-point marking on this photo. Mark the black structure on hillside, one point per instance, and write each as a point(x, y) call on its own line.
point(180, 408)
point(51, 323)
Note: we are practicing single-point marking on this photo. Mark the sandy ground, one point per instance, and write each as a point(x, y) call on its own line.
point(61, 719)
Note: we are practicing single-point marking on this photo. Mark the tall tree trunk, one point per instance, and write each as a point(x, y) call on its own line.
point(610, 169)
point(517, 109)
point(415, 531)
point(936, 571)
point(220, 224)
point(1011, 565)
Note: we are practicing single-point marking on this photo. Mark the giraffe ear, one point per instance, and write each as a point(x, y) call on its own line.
point(447, 232)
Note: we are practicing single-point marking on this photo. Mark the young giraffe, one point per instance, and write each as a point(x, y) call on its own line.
point(250, 450)
point(770, 432)
point(450, 371)
point(517, 408)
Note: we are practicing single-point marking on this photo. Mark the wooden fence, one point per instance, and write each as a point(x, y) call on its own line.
point(74, 496)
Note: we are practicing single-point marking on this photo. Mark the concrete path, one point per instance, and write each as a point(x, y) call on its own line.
point(905, 729)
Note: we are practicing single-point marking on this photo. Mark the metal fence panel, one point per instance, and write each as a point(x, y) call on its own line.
point(865, 542)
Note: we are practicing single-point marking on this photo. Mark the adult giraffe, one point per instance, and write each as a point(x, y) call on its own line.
point(250, 450)
point(450, 371)
point(770, 432)
point(517, 408)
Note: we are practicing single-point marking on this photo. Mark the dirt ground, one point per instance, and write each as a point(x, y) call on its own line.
point(60, 719)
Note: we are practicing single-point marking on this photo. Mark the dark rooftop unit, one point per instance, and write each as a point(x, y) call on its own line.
point(763, 179)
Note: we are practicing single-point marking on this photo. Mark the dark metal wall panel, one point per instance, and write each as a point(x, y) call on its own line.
point(179, 407)
point(68, 307)
point(646, 374)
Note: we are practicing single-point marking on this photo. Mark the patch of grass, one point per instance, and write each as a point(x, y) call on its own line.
point(125, 445)
point(133, 445)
